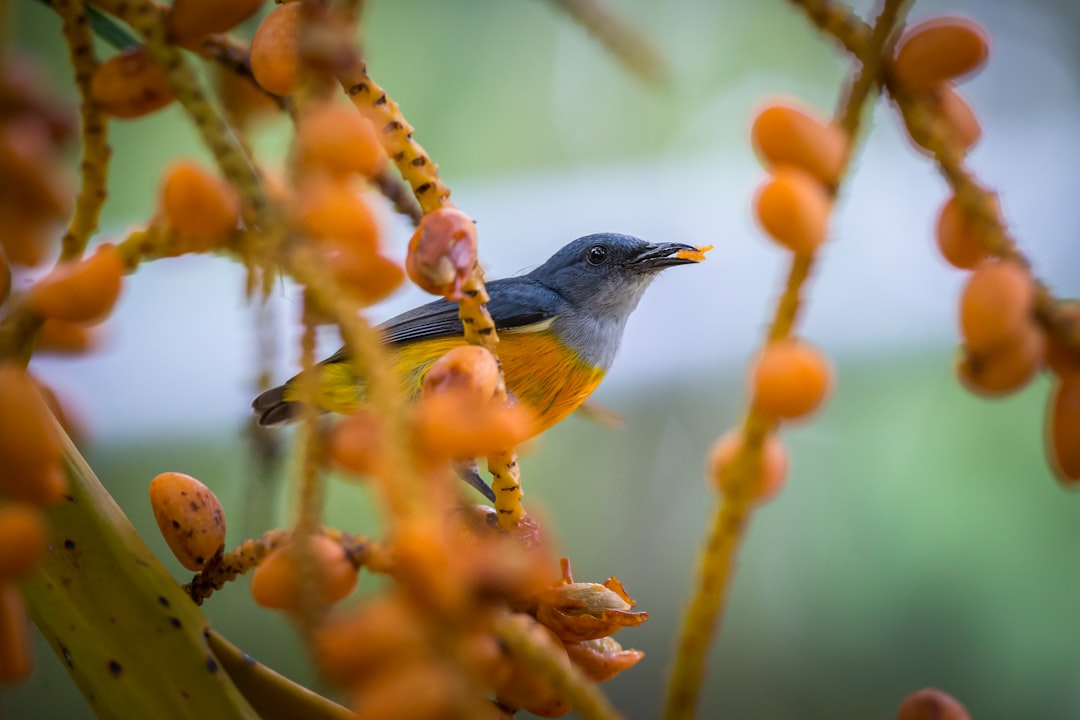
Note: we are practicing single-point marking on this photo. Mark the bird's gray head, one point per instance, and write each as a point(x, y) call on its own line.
point(606, 274)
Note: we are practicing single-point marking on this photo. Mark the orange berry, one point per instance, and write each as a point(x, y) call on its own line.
point(442, 252)
point(786, 134)
point(931, 704)
point(65, 338)
point(793, 207)
point(244, 99)
point(5, 277)
point(1005, 368)
point(958, 115)
point(1061, 359)
point(338, 139)
point(451, 426)
point(276, 582)
point(275, 49)
point(28, 239)
point(426, 690)
point(957, 237)
point(355, 443)
point(367, 277)
point(937, 50)
point(30, 450)
point(190, 518)
point(34, 182)
point(130, 84)
point(527, 688)
point(1063, 429)
point(770, 474)
point(81, 291)
point(357, 644)
point(198, 204)
point(995, 304)
point(22, 540)
point(15, 659)
point(789, 379)
point(469, 369)
point(191, 20)
point(330, 210)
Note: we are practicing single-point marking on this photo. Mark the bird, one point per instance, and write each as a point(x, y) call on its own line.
point(559, 329)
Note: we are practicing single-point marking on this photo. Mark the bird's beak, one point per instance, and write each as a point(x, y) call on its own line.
point(662, 255)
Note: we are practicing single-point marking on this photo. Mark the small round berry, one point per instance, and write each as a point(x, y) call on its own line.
point(995, 305)
point(793, 207)
point(198, 204)
point(770, 473)
point(23, 536)
point(785, 134)
point(190, 518)
point(1006, 368)
point(940, 49)
point(276, 582)
point(81, 291)
point(130, 84)
point(189, 21)
point(275, 49)
point(337, 138)
point(790, 379)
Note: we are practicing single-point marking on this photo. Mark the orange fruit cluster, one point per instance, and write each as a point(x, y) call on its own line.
point(198, 206)
point(31, 476)
point(190, 518)
point(930, 57)
point(35, 192)
point(278, 579)
point(442, 252)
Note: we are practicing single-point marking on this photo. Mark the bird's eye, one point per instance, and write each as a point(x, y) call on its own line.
point(597, 255)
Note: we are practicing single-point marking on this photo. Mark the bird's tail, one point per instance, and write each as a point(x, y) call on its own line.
point(274, 409)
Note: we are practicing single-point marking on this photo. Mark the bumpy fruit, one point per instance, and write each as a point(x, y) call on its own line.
point(790, 379)
point(130, 84)
point(769, 476)
point(198, 204)
point(190, 518)
point(277, 580)
point(81, 291)
point(937, 50)
point(785, 134)
point(442, 252)
point(793, 208)
point(275, 49)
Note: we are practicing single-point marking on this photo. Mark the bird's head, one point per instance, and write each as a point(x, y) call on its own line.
point(607, 273)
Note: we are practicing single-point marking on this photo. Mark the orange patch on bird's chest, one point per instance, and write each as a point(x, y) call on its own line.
point(543, 374)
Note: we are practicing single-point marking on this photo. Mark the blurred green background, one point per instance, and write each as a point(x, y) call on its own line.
point(921, 539)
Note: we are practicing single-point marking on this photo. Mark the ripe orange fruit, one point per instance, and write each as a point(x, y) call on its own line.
point(366, 276)
point(130, 84)
point(995, 304)
point(81, 291)
point(469, 369)
point(359, 643)
point(355, 443)
point(15, 658)
point(276, 582)
point(337, 138)
point(789, 379)
point(65, 338)
point(527, 688)
point(957, 238)
point(22, 540)
point(329, 209)
point(771, 472)
point(958, 115)
point(937, 50)
point(190, 518)
point(30, 450)
point(1061, 359)
point(931, 704)
point(442, 252)
point(1006, 368)
point(198, 204)
point(189, 21)
point(793, 207)
point(275, 49)
point(785, 134)
point(5, 277)
point(1063, 429)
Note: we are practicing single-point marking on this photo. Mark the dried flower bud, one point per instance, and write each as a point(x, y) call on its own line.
point(603, 658)
point(586, 611)
point(442, 252)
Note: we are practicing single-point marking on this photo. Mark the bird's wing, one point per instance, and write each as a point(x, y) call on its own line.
point(515, 303)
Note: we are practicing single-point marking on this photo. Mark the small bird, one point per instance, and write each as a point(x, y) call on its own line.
point(559, 330)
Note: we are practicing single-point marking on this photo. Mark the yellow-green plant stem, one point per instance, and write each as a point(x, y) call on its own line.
point(127, 633)
point(716, 562)
point(95, 138)
point(569, 682)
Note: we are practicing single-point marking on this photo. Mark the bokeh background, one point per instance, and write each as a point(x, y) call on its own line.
point(921, 539)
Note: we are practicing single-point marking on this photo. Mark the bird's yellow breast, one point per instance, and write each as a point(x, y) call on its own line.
point(543, 374)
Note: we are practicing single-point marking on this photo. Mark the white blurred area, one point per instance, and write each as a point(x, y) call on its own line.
point(180, 351)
